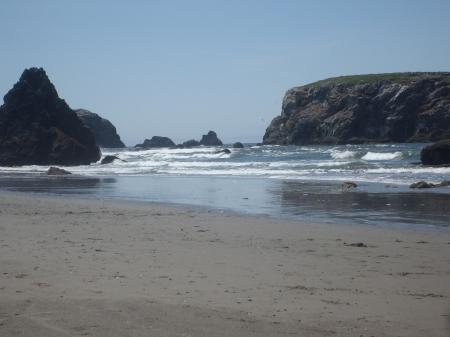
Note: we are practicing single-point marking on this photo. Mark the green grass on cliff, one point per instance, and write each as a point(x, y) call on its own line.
point(402, 78)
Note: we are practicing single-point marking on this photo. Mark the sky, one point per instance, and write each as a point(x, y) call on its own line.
point(181, 68)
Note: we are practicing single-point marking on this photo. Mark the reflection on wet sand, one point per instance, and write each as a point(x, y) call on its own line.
point(321, 202)
point(58, 184)
point(368, 204)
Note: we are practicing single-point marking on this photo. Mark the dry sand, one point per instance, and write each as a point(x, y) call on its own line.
point(103, 268)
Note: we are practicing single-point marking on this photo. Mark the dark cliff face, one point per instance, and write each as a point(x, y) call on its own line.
point(39, 128)
point(415, 110)
point(104, 131)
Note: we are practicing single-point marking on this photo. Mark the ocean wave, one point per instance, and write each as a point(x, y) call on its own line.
point(382, 156)
point(343, 154)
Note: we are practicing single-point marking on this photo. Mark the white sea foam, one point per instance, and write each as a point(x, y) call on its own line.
point(382, 156)
point(343, 154)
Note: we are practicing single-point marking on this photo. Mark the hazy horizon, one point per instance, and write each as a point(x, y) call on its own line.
point(181, 68)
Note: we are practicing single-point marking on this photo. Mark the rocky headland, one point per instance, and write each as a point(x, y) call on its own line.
point(104, 131)
point(39, 128)
point(398, 107)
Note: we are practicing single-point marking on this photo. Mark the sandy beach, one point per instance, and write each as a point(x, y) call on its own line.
point(73, 267)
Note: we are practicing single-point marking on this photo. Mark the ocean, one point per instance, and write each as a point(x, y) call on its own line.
point(292, 182)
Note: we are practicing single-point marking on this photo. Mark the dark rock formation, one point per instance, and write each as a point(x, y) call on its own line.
point(104, 132)
point(177, 147)
point(256, 145)
point(39, 128)
point(53, 171)
point(238, 145)
point(110, 159)
point(410, 107)
point(210, 139)
point(223, 151)
point(436, 154)
point(190, 143)
point(157, 141)
point(423, 184)
point(348, 185)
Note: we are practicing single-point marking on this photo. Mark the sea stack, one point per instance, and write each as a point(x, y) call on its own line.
point(104, 131)
point(39, 128)
point(210, 139)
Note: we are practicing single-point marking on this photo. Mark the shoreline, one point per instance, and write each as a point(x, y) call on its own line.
point(104, 267)
point(370, 204)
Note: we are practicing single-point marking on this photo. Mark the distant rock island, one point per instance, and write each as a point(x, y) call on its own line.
point(104, 132)
point(209, 139)
point(39, 128)
point(381, 108)
point(156, 141)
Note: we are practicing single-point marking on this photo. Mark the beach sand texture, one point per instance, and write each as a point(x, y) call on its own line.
point(71, 267)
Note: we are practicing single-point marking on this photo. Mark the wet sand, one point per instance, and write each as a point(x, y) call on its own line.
point(108, 268)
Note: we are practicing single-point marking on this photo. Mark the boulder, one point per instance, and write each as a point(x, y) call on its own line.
point(223, 151)
point(39, 128)
point(190, 143)
point(110, 159)
point(210, 140)
point(104, 132)
point(156, 141)
point(436, 154)
point(53, 171)
point(238, 145)
point(348, 185)
point(381, 108)
point(423, 184)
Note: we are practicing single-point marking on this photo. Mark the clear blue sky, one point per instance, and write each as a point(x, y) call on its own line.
point(182, 68)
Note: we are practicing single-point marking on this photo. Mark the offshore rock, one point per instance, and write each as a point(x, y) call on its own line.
point(39, 128)
point(436, 154)
point(104, 131)
point(157, 141)
point(110, 159)
point(400, 107)
point(223, 151)
point(190, 143)
point(210, 139)
point(177, 147)
point(53, 171)
point(238, 145)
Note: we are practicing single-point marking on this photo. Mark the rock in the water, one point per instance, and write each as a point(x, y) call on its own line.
point(53, 171)
point(238, 145)
point(436, 154)
point(210, 139)
point(110, 159)
point(157, 141)
point(401, 107)
point(348, 185)
point(423, 184)
point(39, 128)
point(177, 147)
point(104, 132)
point(223, 151)
point(190, 143)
